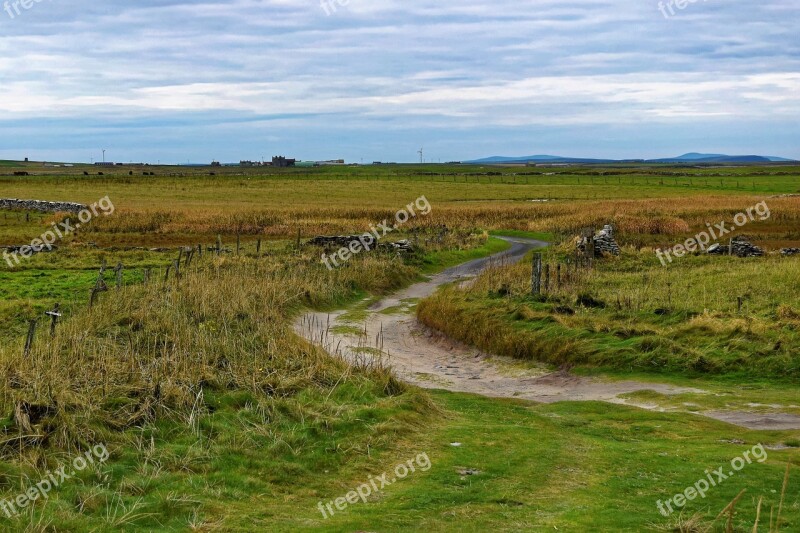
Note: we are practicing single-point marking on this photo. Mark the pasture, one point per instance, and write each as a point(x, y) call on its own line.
point(218, 417)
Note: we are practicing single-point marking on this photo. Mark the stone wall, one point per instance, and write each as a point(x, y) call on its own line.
point(40, 205)
point(343, 241)
point(604, 242)
point(741, 248)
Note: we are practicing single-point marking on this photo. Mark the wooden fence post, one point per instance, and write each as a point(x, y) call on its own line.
point(558, 276)
point(547, 277)
point(536, 275)
point(29, 339)
point(54, 315)
point(119, 268)
point(258, 247)
point(219, 244)
point(99, 286)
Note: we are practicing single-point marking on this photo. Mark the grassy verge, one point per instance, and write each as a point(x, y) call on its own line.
point(437, 261)
point(632, 314)
point(589, 461)
point(536, 235)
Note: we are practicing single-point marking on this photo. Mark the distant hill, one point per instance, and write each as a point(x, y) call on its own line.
point(537, 159)
point(692, 157)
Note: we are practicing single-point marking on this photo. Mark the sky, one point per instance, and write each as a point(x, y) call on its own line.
point(377, 80)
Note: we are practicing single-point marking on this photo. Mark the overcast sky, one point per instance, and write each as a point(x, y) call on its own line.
point(174, 80)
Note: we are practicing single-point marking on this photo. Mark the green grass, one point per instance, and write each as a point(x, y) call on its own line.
point(539, 236)
point(643, 317)
point(567, 467)
point(268, 443)
point(438, 261)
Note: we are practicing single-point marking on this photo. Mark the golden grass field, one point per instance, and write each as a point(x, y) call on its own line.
point(219, 417)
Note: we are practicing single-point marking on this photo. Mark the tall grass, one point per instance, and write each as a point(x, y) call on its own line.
point(145, 353)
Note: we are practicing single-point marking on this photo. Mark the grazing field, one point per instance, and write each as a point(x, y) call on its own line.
point(218, 417)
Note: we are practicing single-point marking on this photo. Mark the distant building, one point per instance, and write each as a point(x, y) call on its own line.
point(281, 162)
point(216, 164)
point(104, 164)
point(249, 163)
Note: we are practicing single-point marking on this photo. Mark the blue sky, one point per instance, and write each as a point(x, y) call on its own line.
point(171, 81)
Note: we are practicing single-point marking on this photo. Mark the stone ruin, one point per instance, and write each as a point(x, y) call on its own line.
point(741, 248)
point(41, 206)
point(787, 252)
point(343, 241)
point(604, 242)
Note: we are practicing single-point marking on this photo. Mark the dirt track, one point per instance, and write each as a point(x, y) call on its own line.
point(429, 359)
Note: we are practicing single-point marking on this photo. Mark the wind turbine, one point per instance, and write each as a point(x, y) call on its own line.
point(421, 160)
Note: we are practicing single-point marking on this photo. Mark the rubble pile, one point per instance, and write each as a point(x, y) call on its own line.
point(344, 241)
point(741, 248)
point(786, 252)
point(604, 242)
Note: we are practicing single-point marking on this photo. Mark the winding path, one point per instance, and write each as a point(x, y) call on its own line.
point(391, 334)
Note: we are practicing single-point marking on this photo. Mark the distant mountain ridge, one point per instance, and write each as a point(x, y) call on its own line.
point(692, 157)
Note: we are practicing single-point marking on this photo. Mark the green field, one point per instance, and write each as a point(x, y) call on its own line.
point(218, 417)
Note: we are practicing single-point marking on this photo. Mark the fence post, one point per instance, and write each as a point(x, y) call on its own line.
point(238, 243)
point(547, 277)
point(54, 315)
point(258, 247)
point(118, 270)
point(219, 244)
point(558, 276)
point(536, 276)
point(29, 339)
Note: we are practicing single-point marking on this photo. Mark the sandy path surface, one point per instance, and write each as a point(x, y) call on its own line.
point(429, 359)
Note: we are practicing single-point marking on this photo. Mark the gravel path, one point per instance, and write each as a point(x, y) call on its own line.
point(429, 359)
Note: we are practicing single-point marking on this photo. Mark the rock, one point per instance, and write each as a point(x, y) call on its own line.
point(344, 241)
point(604, 242)
point(741, 248)
point(41, 206)
point(786, 252)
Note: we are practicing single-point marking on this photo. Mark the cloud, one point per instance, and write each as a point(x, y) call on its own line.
point(380, 72)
